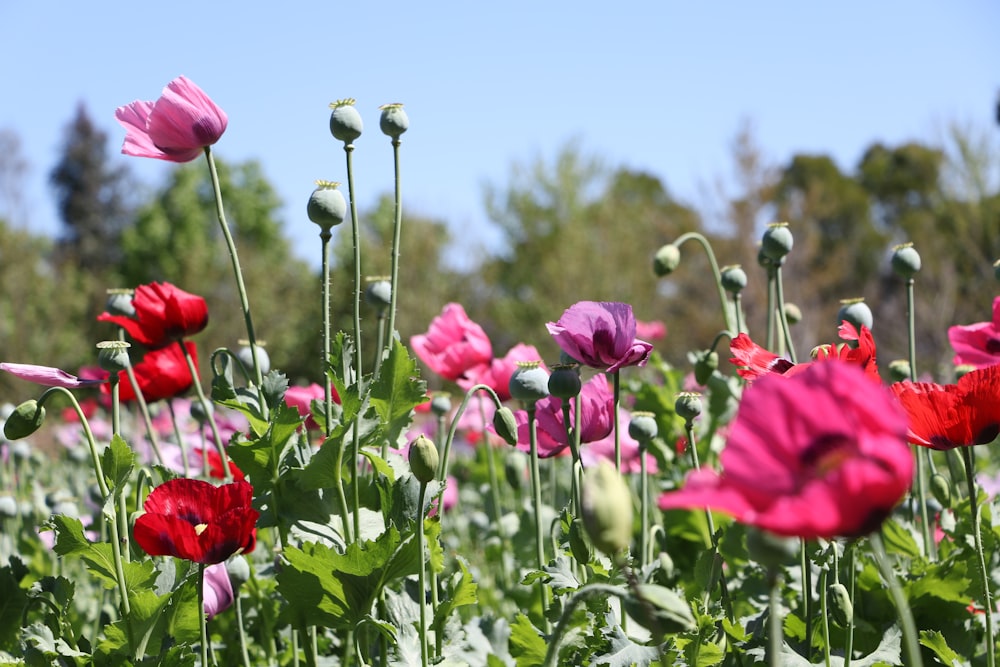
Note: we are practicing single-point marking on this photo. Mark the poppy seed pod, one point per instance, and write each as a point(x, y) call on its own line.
point(423, 458)
point(112, 355)
point(440, 403)
point(564, 382)
point(643, 427)
point(24, 420)
point(793, 313)
point(327, 206)
point(899, 370)
point(378, 294)
point(733, 278)
point(706, 362)
point(238, 570)
point(905, 261)
point(120, 302)
point(246, 356)
point(345, 121)
point(529, 382)
point(688, 405)
point(505, 424)
point(606, 508)
point(777, 241)
point(666, 260)
point(855, 311)
point(393, 121)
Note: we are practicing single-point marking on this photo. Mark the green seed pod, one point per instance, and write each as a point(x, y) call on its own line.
point(327, 206)
point(345, 121)
point(529, 382)
point(733, 278)
point(763, 261)
point(238, 570)
point(246, 356)
point(855, 311)
point(8, 507)
point(769, 549)
point(941, 489)
point(578, 544)
point(440, 403)
point(378, 294)
point(705, 364)
point(393, 121)
point(24, 420)
point(423, 457)
point(777, 242)
point(112, 355)
point(643, 427)
point(666, 260)
point(564, 382)
point(607, 509)
point(899, 370)
point(659, 610)
point(793, 313)
point(505, 425)
point(838, 601)
point(905, 261)
point(120, 302)
point(687, 405)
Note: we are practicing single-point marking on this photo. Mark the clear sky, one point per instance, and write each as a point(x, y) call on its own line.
point(658, 86)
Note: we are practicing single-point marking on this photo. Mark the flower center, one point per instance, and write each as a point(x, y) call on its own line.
point(826, 454)
point(200, 528)
point(993, 345)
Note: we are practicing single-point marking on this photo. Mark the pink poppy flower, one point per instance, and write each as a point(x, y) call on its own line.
point(301, 398)
point(820, 454)
point(977, 344)
point(600, 335)
point(218, 590)
point(596, 421)
point(177, 127)
point(47, 376)
point(654, 330)
point(453, 344)
point(496, 373)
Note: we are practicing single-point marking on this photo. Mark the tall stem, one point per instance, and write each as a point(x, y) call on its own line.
point(536, 493)
point(786, 333)
point(202, 620)
point(422, 576)
point(143, 407)
point(910, 643)
point(355, 432)
point(977, 533)
point(921, 475)
point(227, 474)
point(397, 226)
point(774, 620)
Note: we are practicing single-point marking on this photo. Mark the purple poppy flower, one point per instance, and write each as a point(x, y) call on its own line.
point(600, 335)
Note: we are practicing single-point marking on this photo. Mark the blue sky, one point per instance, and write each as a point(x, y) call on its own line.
point(658, 86)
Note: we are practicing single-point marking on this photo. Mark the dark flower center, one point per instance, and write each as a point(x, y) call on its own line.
point(826, 453)
point(993, 345)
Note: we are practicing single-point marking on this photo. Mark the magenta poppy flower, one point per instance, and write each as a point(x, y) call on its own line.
point(496, 373)
point(177, 127)
point(453, 344)
point(977, 344)
point(218, 590)
point(164, 313)
point(600, 335)
point(822, 453)
point(47, 376)
point(198, 521)
point(596, 419)
point(654, 330)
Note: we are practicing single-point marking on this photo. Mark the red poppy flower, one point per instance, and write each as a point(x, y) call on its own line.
point(753, 361)
point(198, 521)
point(953, 415)
point(161, 374)
point(215, 465)
point(163, 314)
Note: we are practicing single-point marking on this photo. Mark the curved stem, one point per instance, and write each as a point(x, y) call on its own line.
point(910, 643)
point(446, 453)
point(227, 474)
point(715, 270)
point(977, 533)
point(589, 590)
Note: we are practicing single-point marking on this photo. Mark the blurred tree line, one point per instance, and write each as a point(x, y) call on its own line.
point(570, 229)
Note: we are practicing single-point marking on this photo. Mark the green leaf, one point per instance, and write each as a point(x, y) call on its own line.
point(936, 642)
point(13, 598)
point(396, 391)
point(899, 540)
point(623, 652)
point(527, 646)
point(462, 591)
point(118, 463)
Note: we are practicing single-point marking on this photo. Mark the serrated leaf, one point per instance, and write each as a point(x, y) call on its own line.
point(623, 652)
point(899, 540)
point(396, 391)
point(13, 598)
point(936, 642)
point(118, 463)
point(463, 591)
point(527, 646)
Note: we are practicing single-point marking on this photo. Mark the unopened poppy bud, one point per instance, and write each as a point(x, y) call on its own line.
point(941, 489)
point(606, 507)
point(705, 364)
point(733, 278)
point(642, 427)
point(8, 507)
point(899, 370)
point(440, 403)
point(579, 546)
point(777, 241)
point(345, 121)
point(120, 302)
point(112, 355)
point(962, 369)
point(327, 206)
point(905, 261)
point(769, 549)
point(24, 420)
point(423, 457)
point(505, 424)
point(838, 601)
point(245, 355)
point(564, 382)
point(659, 610)
point(529, 382)
point(666, 260)
point(238, 570)
point(378, 294)
point(855, 311)
point(687, 405)
point(793, 314)
point(393, 121)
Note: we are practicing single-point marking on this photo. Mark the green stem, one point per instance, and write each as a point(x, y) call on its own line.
point(356, 433)
point(644, 555)
point(446, 453)
point(921, 476)
point(779, 291)
point(738, 312)
point(910, 642)
point(536, 492)
point(202, 619)
point(143, 407)
point(807, 598)
point(422, 576)
point(977, 533)
point(589, 590)
point(849, 644)
point(715, 271)
point(396, 228)
point(824, 618)
point(574, 449)
point(240, 285)
point(771, 312)
point(244, 653)
point(774, 620)
point(227, 474)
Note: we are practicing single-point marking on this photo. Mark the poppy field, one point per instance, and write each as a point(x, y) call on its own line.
point(437, 501)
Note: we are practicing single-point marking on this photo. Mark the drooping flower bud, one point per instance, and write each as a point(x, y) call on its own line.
point(440, 403)
point(393, 121)
point(120, 302)
point(327, 206)
point(733, 278)
point(899, 370)
point(378, 294)
point(112, 355)
point(423, 457)
point(941, 489)
point(777, 242)
point(24, 420)
point(666, 260)
point(838, 600)
point(505, 424)
point(705, 364)
point(793, 314)
point(855, 311)
point(687, 405)
point(564, 382)
point(643, 427)
point(905, 260)
point(345, 121)
point(529, 382)
point(659, 610)
point(606, 507)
